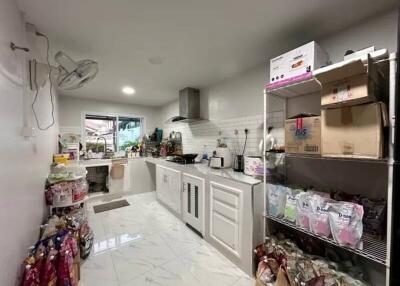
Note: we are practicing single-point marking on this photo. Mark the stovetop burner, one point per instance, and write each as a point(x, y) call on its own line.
point(183, 160)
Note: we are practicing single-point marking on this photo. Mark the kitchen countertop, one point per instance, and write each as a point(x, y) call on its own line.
point(96, 162)
point(205, 170)
point(104, 162)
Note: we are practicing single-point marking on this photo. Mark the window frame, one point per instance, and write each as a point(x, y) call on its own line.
point(110, 114)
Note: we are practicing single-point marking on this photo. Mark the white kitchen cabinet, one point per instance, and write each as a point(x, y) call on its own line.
point(193, 201)
point(141, 176)
point(168, 187)
point(226, 209)
point(233, 207)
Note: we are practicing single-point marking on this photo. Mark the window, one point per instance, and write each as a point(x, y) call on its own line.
point(118, 132)
point(129, 132)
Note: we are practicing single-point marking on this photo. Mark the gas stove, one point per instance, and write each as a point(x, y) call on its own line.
point(183, 159)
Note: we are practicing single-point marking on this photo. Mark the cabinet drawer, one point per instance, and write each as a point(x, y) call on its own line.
point(225, 197)
point(226, 232)
point(226, 210)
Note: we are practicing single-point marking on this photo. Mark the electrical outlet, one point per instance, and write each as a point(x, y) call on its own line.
point(235, 132)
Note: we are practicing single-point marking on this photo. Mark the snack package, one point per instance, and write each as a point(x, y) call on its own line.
point(303, 210)
point(374, 216)
point(290, 206)
point(79, 189)
point(319, 216)
point(277, 199)
point(346, 223)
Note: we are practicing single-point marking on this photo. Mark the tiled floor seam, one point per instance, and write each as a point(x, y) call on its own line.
point(112, 259)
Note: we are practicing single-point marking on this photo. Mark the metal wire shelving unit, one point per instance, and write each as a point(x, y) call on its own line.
point(377, 251)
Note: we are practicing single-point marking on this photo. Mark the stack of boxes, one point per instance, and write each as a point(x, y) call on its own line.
point(353, 115)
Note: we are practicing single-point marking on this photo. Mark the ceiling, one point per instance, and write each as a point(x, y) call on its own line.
point(198, 42)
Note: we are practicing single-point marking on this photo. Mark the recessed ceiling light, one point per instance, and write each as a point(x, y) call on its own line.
point(156, 60)
point(128, 90)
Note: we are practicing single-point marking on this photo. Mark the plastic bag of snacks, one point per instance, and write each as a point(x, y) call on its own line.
point(319, 216)
point(303, 209)
point(374, 216)
point(277, 199)
point(61, 193)
point(79, 190)
point(290, 206)
point(346, 223)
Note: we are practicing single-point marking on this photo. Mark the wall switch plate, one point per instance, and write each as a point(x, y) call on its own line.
point(28, 131)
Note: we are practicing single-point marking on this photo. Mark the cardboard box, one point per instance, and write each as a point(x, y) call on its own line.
point(349, 83)
point(354, 131)
point(297, 62)
point(303, 135)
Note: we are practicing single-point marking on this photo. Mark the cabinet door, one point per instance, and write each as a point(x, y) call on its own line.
point(161, 184)
point(168, 187)
point(226, 217)
point(141, 179)
point(174, 189)
point(193, 201)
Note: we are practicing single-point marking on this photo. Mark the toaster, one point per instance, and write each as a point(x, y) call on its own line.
point(216, 162)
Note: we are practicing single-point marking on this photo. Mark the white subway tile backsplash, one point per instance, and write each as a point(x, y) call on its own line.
point(205, 133)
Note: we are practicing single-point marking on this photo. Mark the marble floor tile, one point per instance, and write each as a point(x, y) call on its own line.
point(144, 244)
point(181, 239)
point(210, 267)
point(98, 269)
point(170, 274)
point(140, 256)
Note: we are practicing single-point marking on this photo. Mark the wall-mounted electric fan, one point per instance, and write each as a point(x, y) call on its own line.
point(69, 74)
point(73, 74)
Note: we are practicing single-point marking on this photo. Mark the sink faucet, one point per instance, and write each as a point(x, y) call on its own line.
point(105, 144)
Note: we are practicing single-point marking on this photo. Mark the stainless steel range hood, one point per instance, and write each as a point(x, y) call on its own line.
point(189, 106)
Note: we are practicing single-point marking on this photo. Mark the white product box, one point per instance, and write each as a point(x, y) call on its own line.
point(297, 62)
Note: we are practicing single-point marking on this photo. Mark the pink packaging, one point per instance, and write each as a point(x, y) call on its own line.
point(303, 210)
point(319, 217)
point(345, 219)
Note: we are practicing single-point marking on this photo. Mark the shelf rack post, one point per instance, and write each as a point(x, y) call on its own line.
point(392, 104)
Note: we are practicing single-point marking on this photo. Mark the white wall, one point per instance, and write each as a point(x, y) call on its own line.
point(380, 32)
point(237, 103)
point(243, 94)
point(71, 109)
point(25, 162)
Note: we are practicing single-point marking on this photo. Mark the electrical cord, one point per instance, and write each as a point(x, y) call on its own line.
point(245, 141)
point(37, 88)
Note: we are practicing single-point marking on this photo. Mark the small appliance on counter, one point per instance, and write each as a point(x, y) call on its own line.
point(238, 160)
point(222, 157)
point(215, 161)
point(238, 163)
